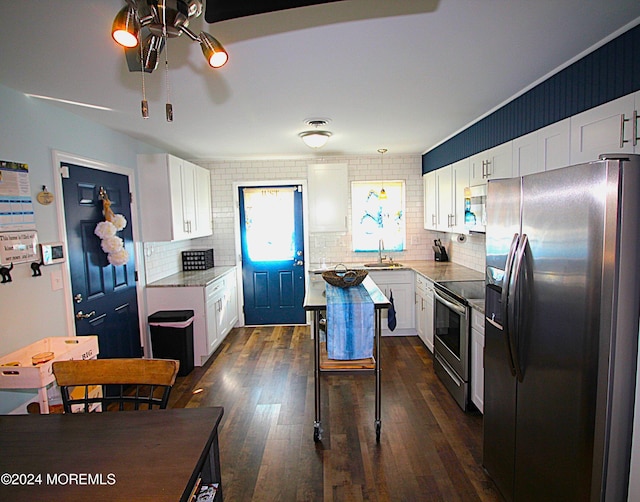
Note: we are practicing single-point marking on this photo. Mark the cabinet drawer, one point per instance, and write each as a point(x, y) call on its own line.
point(214, 289)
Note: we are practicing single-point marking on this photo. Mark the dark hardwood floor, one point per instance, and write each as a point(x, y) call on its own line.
point(429, 449)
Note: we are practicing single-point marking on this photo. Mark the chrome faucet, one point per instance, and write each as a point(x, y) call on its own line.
point(380, 250)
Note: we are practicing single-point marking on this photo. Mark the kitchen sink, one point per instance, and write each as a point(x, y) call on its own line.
point(388, 264)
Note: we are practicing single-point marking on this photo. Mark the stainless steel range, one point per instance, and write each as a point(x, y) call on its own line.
point(452, 329)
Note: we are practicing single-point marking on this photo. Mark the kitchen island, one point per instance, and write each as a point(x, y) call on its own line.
point(411, 284)
point(315, 301)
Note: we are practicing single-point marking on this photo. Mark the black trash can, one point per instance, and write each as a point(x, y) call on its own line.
point(172, 337)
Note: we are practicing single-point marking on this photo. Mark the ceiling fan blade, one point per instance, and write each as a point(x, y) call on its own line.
point(222, 10)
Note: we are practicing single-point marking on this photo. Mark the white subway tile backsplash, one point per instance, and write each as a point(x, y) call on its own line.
point(163, 259)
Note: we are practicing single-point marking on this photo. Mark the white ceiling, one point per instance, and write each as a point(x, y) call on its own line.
point(396, 74)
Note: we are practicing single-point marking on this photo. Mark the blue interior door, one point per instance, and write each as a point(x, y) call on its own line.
point(105, 301)
point(272, 244)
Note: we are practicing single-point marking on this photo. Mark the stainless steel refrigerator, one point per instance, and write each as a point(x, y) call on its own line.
point(561, 331)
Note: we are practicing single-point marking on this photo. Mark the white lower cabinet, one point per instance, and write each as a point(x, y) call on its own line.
point(214, 317)
point(477, 358)
point(424, 310)
point(401, 284)
point(215, 310)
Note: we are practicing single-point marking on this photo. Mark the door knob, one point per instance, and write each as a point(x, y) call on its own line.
point(82, 315)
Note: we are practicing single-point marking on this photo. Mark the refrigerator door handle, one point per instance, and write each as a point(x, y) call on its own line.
point(513, 331)
point(504, 300)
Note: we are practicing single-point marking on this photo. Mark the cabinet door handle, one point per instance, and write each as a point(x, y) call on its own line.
point(623, 119)
point(635, 128)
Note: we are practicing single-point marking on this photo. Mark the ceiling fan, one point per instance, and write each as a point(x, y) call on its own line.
point(223, 10)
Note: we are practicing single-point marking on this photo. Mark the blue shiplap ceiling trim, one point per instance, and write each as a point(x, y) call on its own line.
point(609, 72)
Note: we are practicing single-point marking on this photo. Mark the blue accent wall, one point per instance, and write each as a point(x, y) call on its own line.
point(607, 73)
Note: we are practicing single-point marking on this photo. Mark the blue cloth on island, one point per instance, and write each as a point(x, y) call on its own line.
point(350, 323)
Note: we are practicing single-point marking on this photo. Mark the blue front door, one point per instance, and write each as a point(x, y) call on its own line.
point(272, 244)
point(105, 300)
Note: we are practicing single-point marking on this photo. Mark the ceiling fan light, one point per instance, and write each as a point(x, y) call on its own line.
point(126, 27)
point(315, 139)
point(213, 51)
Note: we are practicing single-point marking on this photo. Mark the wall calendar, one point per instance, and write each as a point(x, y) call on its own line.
point(16, 203)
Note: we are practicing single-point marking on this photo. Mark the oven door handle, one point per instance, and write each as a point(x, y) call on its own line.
point(456, 308)
point(445, 365)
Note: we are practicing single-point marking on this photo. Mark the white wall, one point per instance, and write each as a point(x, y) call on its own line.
point(31, 130)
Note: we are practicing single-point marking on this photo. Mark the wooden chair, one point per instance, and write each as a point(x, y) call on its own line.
point(139, 383)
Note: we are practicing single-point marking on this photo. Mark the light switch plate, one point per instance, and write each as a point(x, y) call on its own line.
point(56, 280)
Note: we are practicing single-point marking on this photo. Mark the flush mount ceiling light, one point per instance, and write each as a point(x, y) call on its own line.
point(143, 28)
point(315, 138)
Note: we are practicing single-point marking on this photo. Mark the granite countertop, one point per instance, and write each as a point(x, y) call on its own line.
point(432, 270)
point(435, 271)
point(197, 278)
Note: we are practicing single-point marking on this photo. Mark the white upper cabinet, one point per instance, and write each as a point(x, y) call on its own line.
point(554, 145)
point(495, 163)
point(608, 128)
point(611, 128)
point(444, 197)
point(444, 191)
point(328, 197)
point(542, 150)
point(175, 198)
point(203, 214)
point(430, 200)
point(525, 155)
point(459, 181)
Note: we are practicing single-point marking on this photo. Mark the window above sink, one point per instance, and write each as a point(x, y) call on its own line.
point(378, 214)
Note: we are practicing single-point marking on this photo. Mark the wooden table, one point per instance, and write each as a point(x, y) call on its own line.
point(315, 301)
point(156, 455)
